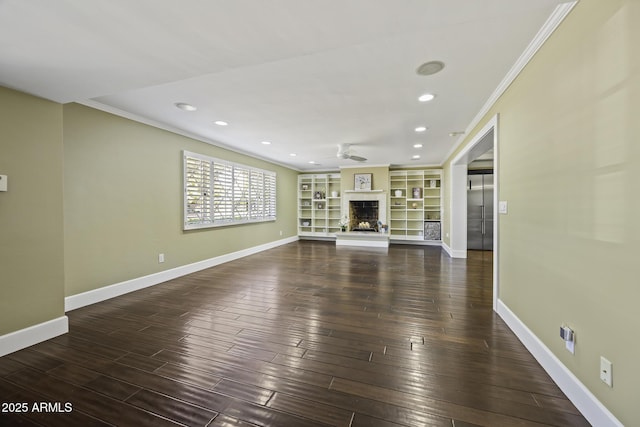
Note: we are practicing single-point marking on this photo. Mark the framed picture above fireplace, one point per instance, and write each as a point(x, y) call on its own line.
point(362, 181)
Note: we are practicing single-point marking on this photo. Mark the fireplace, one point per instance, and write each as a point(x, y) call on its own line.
point(366, 214)
point(377, 196)
point(363, 215)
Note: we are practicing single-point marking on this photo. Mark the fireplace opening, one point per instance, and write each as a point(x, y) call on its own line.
point(363, 215)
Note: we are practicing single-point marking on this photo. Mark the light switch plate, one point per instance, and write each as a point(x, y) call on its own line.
point(3, 182)
point(502, 207)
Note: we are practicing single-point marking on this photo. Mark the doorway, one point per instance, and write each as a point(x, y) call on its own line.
point(486, 140)
point(480, 204)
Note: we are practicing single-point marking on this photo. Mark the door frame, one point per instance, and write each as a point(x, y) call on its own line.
point(485, 139)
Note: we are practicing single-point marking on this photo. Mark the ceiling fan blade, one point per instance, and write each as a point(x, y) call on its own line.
point(357, 158)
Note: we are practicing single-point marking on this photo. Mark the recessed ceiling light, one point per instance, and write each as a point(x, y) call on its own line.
point(186, 107)
point(293, 154)
point(429, 68)
point(426, 97)
point(221, 123)
point(421, 128)
point(460, 132)
point(417, 145)
point(312, 162)
point(266, 143)
point(415, 157)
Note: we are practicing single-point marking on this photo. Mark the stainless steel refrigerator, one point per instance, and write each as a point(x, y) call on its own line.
point(480, 211)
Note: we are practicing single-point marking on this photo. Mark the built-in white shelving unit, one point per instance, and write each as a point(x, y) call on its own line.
point(318, 204)
point(415, 208)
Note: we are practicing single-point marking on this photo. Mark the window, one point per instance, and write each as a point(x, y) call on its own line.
point(217, 192)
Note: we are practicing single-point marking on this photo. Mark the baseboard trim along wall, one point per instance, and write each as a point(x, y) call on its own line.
point(35, 334)
point(107, 292)
point(454, 253)
point(592, 409)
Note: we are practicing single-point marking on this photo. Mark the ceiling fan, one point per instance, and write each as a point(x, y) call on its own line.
point(345, 152)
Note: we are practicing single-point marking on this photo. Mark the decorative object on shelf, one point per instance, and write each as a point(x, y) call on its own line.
point(432, 183)
point(344, 222)
point(305, 223)
point(320, 205)
point(334, 194)
point(416, 192)
point(432, 231)
point(305, 187)
point(398, 193)
point(318, 195)
point(414, 205)
point(362, 181)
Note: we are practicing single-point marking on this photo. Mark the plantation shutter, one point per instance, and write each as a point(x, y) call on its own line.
point(222, 192)
point(218, 193)
point(197, 191)
point(257, 194)
point(240, 193)
point(269, 195)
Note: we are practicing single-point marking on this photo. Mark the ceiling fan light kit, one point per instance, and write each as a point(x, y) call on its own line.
point(344, 152)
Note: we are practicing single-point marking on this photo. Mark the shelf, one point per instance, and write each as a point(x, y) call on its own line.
point(409, 218)
point(321, 220)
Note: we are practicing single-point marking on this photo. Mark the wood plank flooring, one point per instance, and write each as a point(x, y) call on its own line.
point(305, 334)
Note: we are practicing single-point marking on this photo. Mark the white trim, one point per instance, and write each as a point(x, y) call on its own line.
point(454, 253)
point(35, 334)
point(553, 21)
point(458, 197)
point(104, 293)
point(592, 409)
point(458, 209)
point(496, 214)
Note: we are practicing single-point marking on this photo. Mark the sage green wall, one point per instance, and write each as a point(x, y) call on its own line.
point(380, 177)
point(123, 202)
point(569, 166)
point(31, 233)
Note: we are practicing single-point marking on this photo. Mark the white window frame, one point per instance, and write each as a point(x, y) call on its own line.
point(218, 193)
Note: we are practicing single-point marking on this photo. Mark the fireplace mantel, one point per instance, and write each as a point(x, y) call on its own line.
point(363, 191)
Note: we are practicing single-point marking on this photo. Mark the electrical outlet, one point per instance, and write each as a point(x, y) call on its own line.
point(160, 258)
point(606, 375)
point(281, 232)
point(567, 334)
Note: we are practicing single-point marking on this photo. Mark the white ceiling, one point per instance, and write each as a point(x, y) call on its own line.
point(305, 75)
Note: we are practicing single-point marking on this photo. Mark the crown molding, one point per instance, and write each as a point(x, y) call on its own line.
point(551, 24)
point(156, 124)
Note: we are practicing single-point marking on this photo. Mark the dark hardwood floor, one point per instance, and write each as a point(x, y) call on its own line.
point(305, 334)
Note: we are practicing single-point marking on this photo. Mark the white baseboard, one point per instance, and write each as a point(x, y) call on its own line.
point(454, 253)
point(35, 334)
point(592, 409)
point(101, 294)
